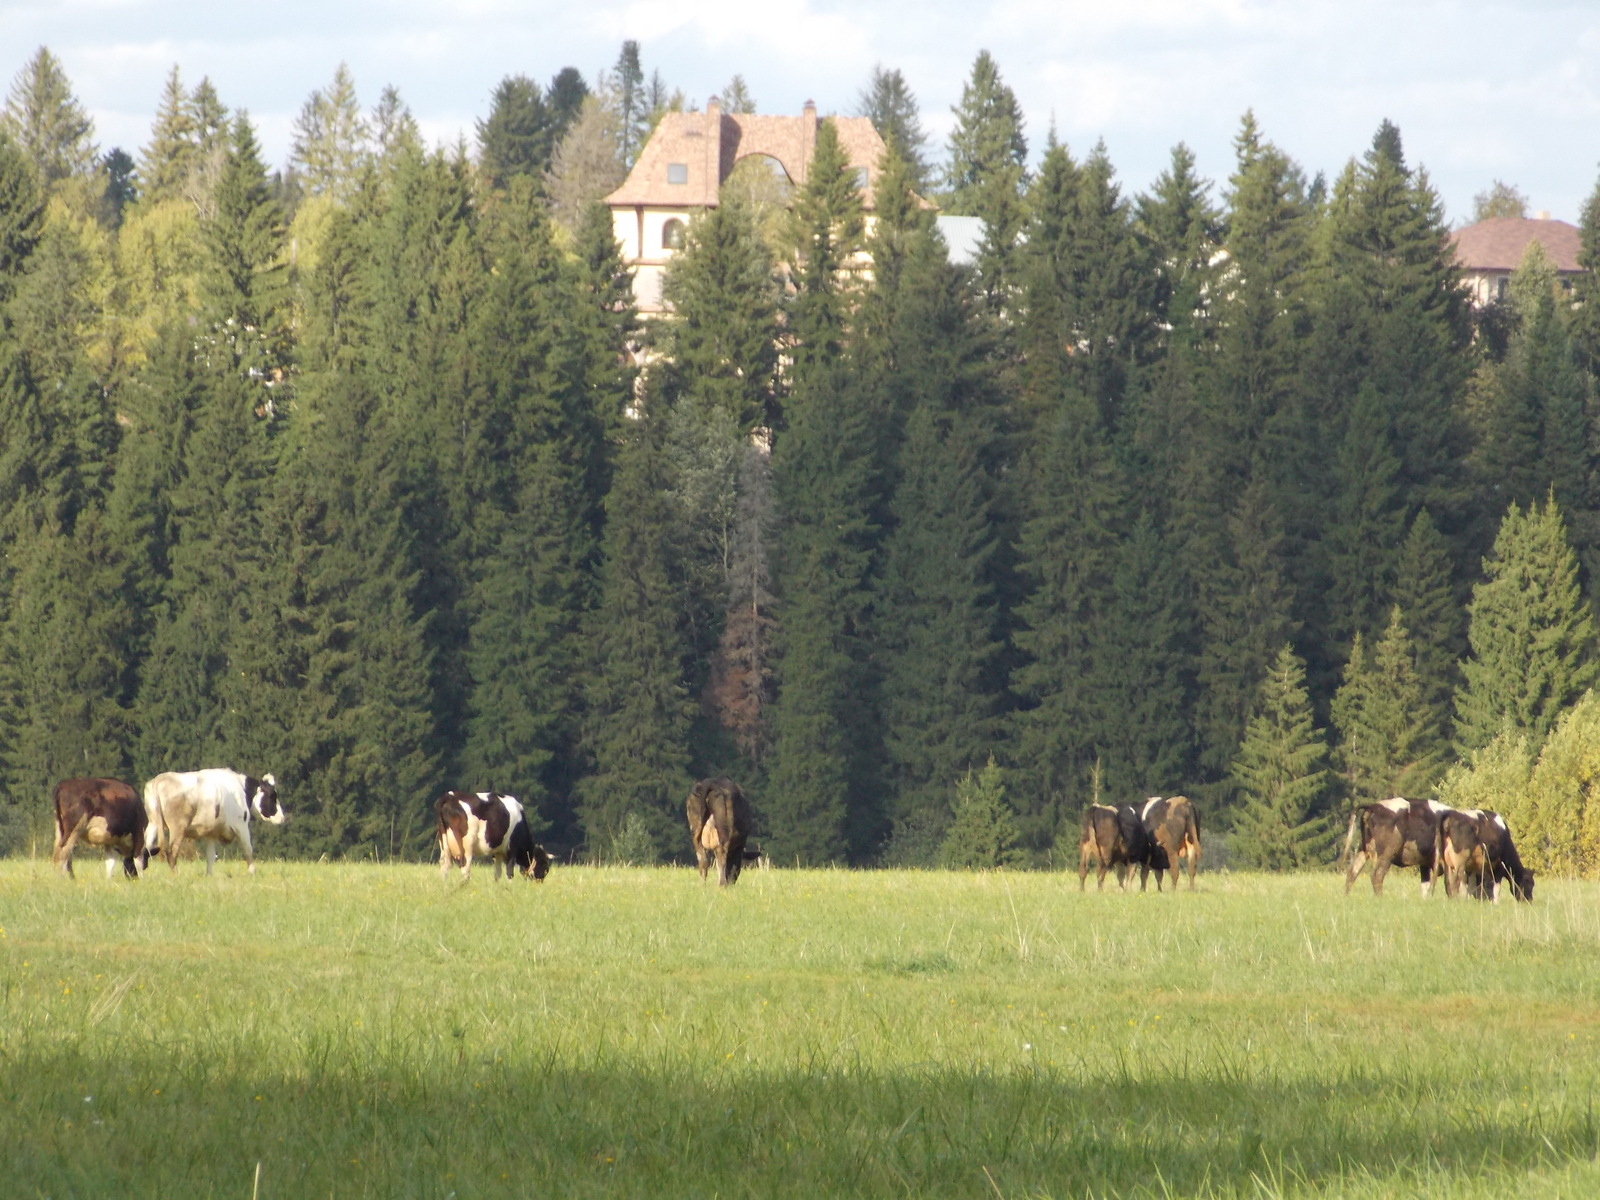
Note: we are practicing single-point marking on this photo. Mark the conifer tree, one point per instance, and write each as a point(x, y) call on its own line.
point(585, 166)
point(935, 618)
point(1532, 633)
point(632, 105)
point(988, 151)
point(1390, 742)
point(519, 134)
point(740, 684)
point(1182, 230)
point(393, 127)
point(636, 707)
point(48, 123)
point(330, 138)
point(564, 99)
point(1425, 592)
point(983, 831)
point(1280, 774)
point(888, 103)
point(827, 230)
point(1368, 521)
point(823, 805)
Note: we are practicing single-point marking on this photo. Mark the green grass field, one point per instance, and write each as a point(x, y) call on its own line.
point(373, 1031)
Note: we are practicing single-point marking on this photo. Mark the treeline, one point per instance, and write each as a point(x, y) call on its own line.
point(367, 474)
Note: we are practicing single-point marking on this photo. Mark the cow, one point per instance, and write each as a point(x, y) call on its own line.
point(1172, 831)
point(487, 825)
point(214, 806)
point(103, 812)
point(1113, 836)
point(719, 825)
point(1475, 845)
point(1394, 833)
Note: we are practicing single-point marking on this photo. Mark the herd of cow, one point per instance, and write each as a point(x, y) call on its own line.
point(1471, 848)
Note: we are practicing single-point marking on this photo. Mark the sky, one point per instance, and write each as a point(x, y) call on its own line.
point(1481, 90)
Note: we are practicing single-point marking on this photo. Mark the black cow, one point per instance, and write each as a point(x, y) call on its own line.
point(1475, 846)
point(490, 825)
point(1113, 836)
point(719, 825)
point(103, 812)
point(1394, 833)
point(1172, 831)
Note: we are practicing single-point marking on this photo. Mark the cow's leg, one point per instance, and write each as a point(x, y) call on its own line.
point(211, 854)
point(701, 858)
point(722, 866)
point(445, 857)
point(1083, 865)
point(175, 836)
point(1427, 879)
point(111, 863)
point(1380, 868)
point(62, 854)
point(248, 847)
point(1144, 875)
point(1194, 862)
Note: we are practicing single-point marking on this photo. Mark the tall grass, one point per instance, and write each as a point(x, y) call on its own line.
point(373, 1031)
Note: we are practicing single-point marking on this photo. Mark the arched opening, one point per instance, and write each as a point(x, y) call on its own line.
point(764, 187)
point(672, 235)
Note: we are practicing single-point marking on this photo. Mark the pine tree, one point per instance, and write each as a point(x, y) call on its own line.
point(720, 344)
point(519, 134)
point(935, 617)
point(1532, 634)
point(1390, 742)
point(983, 831)
point(824, 806)
point(1280, 776)
point(887, 101)
point(48, 123)
point(330, 138)
point(636, 708)
point(828, 225)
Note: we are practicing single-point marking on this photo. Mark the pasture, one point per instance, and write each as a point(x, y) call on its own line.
point(368, 1030)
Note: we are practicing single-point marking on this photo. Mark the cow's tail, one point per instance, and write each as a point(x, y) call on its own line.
point(1349, 839)
point(155, 829)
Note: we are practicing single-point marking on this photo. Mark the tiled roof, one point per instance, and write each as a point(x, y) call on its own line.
point(708, 145)
point(1498, 243)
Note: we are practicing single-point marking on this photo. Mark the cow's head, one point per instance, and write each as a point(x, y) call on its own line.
point(538, 864)
point(264, 799)
point(1522, 883)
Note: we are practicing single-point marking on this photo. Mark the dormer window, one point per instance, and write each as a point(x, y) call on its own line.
point(677, 172)
point(861, 178)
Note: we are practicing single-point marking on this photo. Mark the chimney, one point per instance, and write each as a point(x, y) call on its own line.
point(713, 108)
point(1541, 216)
point(808, 139)
point(810, 111)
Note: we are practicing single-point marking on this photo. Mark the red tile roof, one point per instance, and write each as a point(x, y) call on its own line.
point(708, 144)
point(1498, 243)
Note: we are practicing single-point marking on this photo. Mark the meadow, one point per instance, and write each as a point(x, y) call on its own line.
point(328, 1030)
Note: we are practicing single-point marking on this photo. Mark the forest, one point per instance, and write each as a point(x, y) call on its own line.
point(364, 471)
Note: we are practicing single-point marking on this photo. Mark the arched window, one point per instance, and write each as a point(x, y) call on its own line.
point(672, 235)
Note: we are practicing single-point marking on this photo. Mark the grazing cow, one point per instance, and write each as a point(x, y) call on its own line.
point(488, 825)
point(719, 825)
point(1113, 836)
point(213, 806)
point(103, 812)
point(1394, 833)
point(1172, 830)
point(1475, 845)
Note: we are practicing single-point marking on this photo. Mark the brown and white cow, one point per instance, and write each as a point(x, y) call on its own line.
point(214, 806)
point(1113, 836)
point(1394, 833)
point(719, 825)
point(1172, 827)
point(103, 812)
point(487, 825)
point(1475, 847)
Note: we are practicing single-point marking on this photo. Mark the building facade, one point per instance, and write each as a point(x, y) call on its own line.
point(1488, 251)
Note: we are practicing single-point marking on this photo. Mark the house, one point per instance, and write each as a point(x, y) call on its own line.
point(682, 167)
point(1490, 250)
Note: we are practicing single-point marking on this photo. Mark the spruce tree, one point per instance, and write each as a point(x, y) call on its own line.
point(936, 623)
point(826, 232)
point(1531, 631)
point(636, 708)
point(632, 105)
point(1390, 742)
point(519, 134)
point(823, 805)
point(982, 832)
point(888, 103)
point(988, 151)
point(564, 100)
point(1281, 778)
point(330, 138)
point(48, 123)
point(1425, 592)
point(1182, 231)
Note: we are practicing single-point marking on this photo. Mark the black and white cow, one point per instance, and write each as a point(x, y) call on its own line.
point(1113, 836)
point(103, 812)
point(487, 825)
point(1475, 847)
point(1172, 833)
point(1394, 833)
point(214, 806)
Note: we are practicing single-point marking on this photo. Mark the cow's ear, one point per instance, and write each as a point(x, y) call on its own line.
point(269, 781)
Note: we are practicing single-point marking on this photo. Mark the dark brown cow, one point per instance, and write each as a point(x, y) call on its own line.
point(1172, 826)
point(491, 826)
point(103, 812)
point(1475, 846)
point(1394, 833)
point(719, 825)
point(1113, 836)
